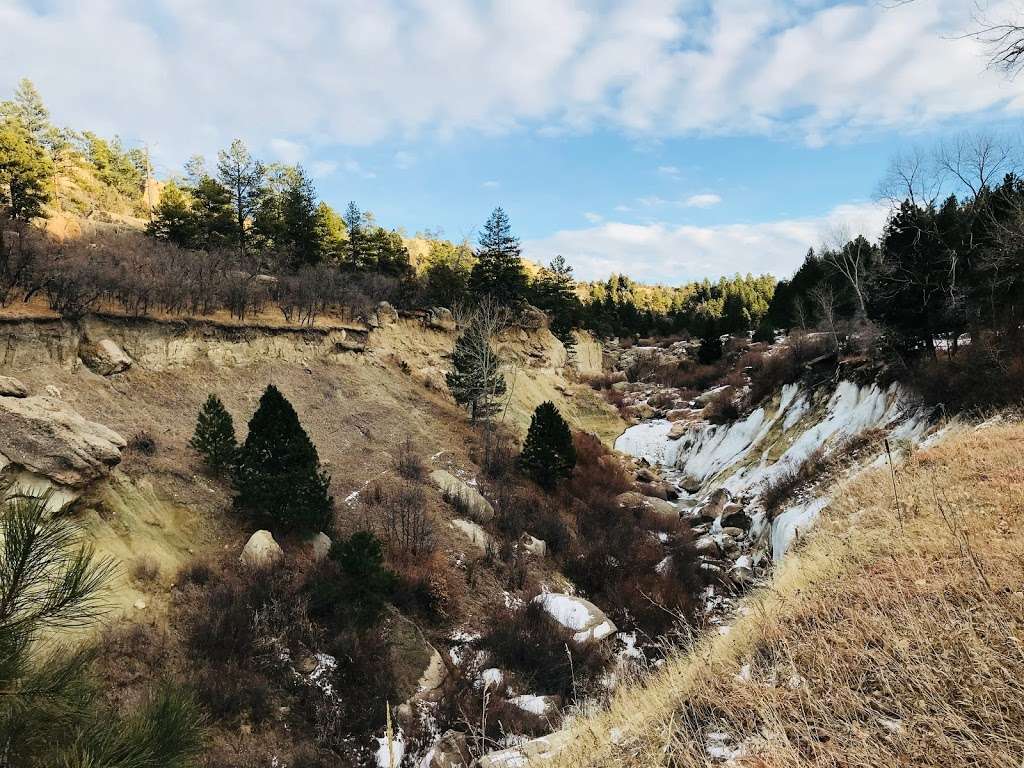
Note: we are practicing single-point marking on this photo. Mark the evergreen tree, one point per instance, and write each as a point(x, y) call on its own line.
point(25, 171)
point(554, 291)
point(548, 454)
point(499, 272)
point(214, 218)
point(173, 219)
point(27, 107)
point(355, 223)
point(356, 585)
point(331, 233)
point(475, 381)
point(278, 476)
point(446, 273)
point(242, 176)
point(214, 437)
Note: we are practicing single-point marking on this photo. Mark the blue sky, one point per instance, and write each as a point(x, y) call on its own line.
point(668, 139)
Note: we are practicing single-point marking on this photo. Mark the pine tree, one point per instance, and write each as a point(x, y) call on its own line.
point(499, 272)
point(475, 381)
point(355, 223)
point(242, 176)
point(26, 171)
point(173, 218)
point(548, 453)
point(554, 291)
point(278, 476)
point(214, 437)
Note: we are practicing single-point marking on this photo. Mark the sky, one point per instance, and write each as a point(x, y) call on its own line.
point(665, 139)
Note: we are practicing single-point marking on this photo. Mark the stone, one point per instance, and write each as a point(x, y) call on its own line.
point(742, 572)
point(53, 392)
point(645, 475)
point(320, 547)
point(463, 496)
point(658, 511)
point(678, 429)
point(588, 623)
point(736, 533)
point(713, 508)
point(534, 546)
point(706, 545)
point(531, 752)
point(261, 551)
point(45, 438)
point(736, 519)
point(386, 314)
point(306, 665)
point(441, 319)
point(449, 751)
point(104, 357)
point(477, 536)
point(653, 490)
point(530, 714)
point(431, 683)
point(532, 319)
point(11, 387)
point(140, 605)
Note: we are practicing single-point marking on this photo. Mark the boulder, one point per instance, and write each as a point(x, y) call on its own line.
point(449, 751)
point(10, 387)
point(431, 683)
point(736, 518)
point(320, 547)
point(645, 475)
point(532, 319)
point(528, 753)
point(104, 357)
point(678, 429)
point(586, 621)
point(713, 508)
point(261, 551)
point(742, 572)
point(477, 536)
point(441, 319)
point(657, 511)
point(537, 547)
point(736, 533)
point(386, 314)
point(47, 439)
point(530, 714)
point(463, 496)
point(707, 546)
point(653, 490)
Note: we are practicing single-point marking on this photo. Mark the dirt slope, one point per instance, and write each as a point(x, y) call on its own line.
point(893, 636)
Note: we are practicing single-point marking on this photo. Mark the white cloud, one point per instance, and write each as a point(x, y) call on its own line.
point(667, 253)
point(404, 160)
point(671, 171)
point(318, 169)
point(705, 200)
point(593, 218)
point(288, 152)
point(355, 168)
point(197, 74)
point(491, 184)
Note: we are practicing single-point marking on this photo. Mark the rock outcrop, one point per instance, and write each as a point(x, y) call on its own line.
point(45, 438)
point(477, 536)
point(463, 496)
point(441, 319)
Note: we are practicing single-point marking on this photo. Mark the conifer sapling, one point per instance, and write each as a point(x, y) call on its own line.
point(214, 437)
point(548, 454)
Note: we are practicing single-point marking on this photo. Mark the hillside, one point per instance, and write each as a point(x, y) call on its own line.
point(892, 636)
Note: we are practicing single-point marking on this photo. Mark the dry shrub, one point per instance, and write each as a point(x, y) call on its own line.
point(408, 462)
point(145, 570)
point(887, 639)
point(198, 572)
point(643, 366)
point(689, 374)
point(983, 375)
point(396, 510)
point(142, 442)
point(427, 587)
point(525, 508)
point(770, 372)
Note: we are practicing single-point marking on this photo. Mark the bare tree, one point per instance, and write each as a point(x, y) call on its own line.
point(912, 175)
point(849, 257)
point(976, 160)
point(825, 298)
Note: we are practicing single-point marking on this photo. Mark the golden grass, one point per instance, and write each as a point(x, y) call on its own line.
point(887, 640)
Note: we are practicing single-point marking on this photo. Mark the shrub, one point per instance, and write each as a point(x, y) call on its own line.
point(145, 570)
point(351, 587)
point(548, 453)
point(769, 372)
point(710, 350)
point(531, 643)
point(722, 408)
point(214, 437)
point(196, 572)
point(642, 367)
point(278, 477)
point(397, 511)
point(408, 463)
point(982, 375)
point(142, 442)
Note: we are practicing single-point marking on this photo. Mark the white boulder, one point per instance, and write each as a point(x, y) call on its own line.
point(477, 536)
point(104, 357)
point(586, 621)
point(463, 496)
point(261, 551)
point(11, 387)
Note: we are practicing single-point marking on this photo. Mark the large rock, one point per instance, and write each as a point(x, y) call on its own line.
point(532, 319)
point(10, 387)
point(261, 551)
point(530, 714)
point(535, 546)
point(450, 751)
point(713, 508)
point(385, 314)
point(586, 621)
point(529, 753)
point(441, 319)
point(477, 536)
point(463, 496)
point(320, 547)
point(104, 357)
point(44, 437)
point(656, 511)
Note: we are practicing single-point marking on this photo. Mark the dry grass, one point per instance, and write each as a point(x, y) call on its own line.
point(892, 638)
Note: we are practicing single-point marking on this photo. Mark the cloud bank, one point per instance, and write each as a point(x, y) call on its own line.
point(311, 73)
point(663, 253)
